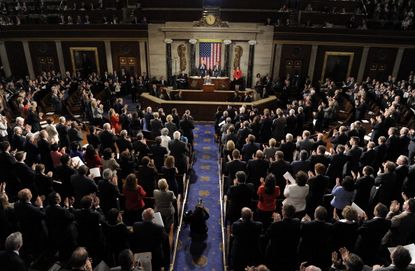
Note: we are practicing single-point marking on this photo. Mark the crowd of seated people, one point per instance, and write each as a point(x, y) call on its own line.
point(63, 187)
point(366, 161)
point(65, 12)
point(393, 14)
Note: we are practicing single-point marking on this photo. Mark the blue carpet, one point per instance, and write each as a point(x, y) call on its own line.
point(204, 185)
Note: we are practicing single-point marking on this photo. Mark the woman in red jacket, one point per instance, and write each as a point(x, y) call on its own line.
point(91, 157)
point(134, 203)
point(267, 193)
point(114, 120)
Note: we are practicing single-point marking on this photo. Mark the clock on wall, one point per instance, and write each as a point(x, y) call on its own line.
point(210, 19)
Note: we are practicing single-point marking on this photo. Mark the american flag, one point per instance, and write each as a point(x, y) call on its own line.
point(210, 53)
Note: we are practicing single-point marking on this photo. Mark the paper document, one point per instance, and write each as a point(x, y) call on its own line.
point(357, 208)
point(157, 219)
point(410, 248)
point(77, 162)
point(289, 177)
point(95, 172)
point(144, 260)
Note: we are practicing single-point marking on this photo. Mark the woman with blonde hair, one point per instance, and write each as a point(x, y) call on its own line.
point(163, 203)
point(114, 120)
point(228, 149)
point(134, 199)
point(169, 172)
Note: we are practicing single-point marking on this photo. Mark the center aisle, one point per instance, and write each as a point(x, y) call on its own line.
point(204, 185)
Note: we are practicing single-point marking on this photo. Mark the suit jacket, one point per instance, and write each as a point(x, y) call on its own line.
point(283, 237)
point(11, 261)
point(245, 250)
point(402, 230)
point(278, 168)
point(368, 158)
point(59, 222)
point(158, 153)
point(370, 235)
point(303, 165)
point(316, 234)
point(89, 228)
point(240, 196)
point(248, 150)
point(25, 175)
point(180, 151)
point(234, 166)
point(149, 237)
point(82, 186)
point(31, 221)
point(255, 169)
point(108, 195)
point(318, 187)
point(386, 183)
point(335, 169)
point(44, 150)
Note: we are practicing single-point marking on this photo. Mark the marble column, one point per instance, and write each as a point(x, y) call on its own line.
point(143, 57)
point(251, 56)
point(108, 56)
point(312, 63)
point(227, 54)
point(4, 59)
point(168, 59)
point(192, 62)
point(277, 61)
point(61, 60)
point(398, 62)
point(362, 65)
point(28, 57)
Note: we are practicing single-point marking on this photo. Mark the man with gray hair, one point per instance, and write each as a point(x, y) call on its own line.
point(10, 258)
point(150, 237)
point(108, 190)
point(180, 151)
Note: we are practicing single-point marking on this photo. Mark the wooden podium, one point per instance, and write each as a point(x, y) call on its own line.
point(208, 87)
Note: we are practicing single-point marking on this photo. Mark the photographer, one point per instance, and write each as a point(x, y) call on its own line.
point(197, 220)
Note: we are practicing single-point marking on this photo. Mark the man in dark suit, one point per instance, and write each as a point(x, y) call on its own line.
point(340, 137)
point(239, 195)
point(257, 168)
point(354, 155)
point(368, 157)
point(180, 151)
point(7, 162)
point(303, 164)
point(44, 150)
point(319, 157)
point(158, 153)
point(108, 190)
point(368, 244)
point(187, 126)
point(63, 133)
point(386, 183)
point(392, 143)
point(402, 230)
point(279, 167)
point(82, 185)
point(10, 259)
point(242, 134)
point(17, 141)
point(25, 175)
point(245, 248)
point(202, 69)
point(335, 169)
point(140, 147)
point(89, 219)
point(216, 71)
point(250, 148)
point(401, 172)
point(60, 224)
point(318, 187)
point(107, 138)
point(381, 151)
point(231, 167)
point(150, 237)
point(31, 220)
point(63, 174)
point(283, 236)
point(316, 240)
